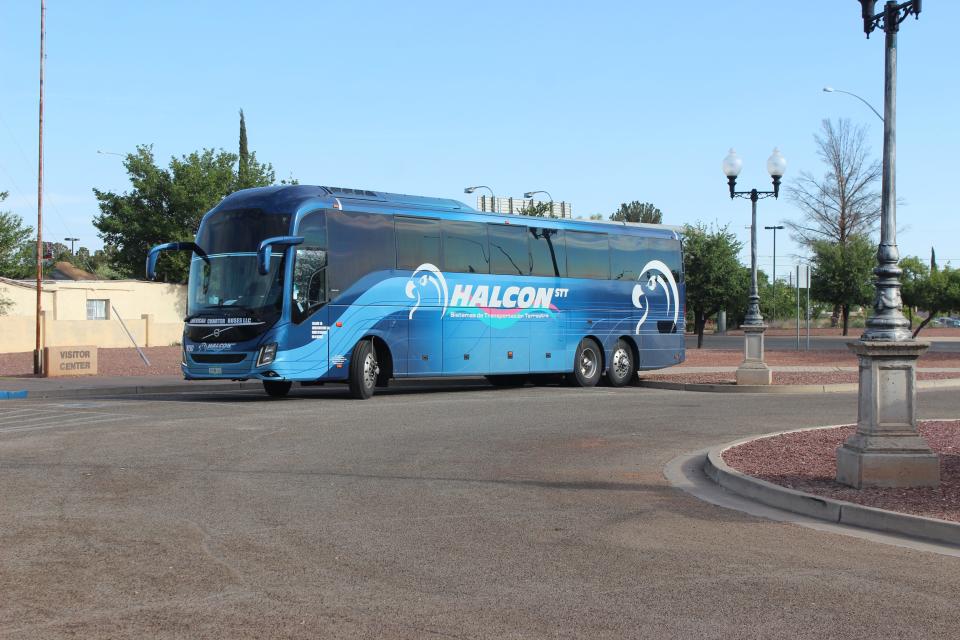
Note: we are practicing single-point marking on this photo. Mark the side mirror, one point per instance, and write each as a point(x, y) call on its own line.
point(171, 246)
point(266, 248)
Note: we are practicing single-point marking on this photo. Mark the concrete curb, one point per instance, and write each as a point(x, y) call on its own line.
point(145, 389)
point(828, 509)
point(949, 383)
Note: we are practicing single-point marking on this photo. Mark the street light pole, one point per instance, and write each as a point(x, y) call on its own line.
point(886, 449)
point(71, 241)
point(753, 370)
point(774, 228)
point(493, 198)
point(530, 194)
point(832, 90)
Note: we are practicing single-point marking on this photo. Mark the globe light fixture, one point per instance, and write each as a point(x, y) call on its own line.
point(753, 369)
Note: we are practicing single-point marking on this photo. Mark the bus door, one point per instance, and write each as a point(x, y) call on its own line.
point(308, 338)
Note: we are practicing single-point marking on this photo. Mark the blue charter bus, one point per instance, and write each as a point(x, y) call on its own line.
point(318, 284)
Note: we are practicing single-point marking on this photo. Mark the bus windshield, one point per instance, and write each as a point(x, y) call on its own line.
point(231, 284)
point(230, 281)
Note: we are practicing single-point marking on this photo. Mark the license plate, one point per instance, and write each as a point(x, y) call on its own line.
point(215, 371)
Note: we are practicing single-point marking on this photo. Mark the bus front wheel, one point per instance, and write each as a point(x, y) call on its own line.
point(363, 370)
point(277, 388)
point(587, 365)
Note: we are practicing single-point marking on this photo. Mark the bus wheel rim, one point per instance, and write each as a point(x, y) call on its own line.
point(588, 363)
point(370, 370)
point(621, 362)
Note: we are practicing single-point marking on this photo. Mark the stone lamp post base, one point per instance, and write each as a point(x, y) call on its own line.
point(753, 370)
point(887, 450)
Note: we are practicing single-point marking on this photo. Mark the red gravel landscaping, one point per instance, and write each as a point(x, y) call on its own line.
point(784, 377)
point(164, 361)
point(806, 461)
point(820, 357)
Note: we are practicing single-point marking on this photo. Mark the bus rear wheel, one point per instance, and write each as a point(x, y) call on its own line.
point(363, 370)
point(587, 364)
point(277, 388)
point(622, 367)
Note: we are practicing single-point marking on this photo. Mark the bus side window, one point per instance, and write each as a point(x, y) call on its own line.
point(667, 251)
point(418, 242)
point(548, 252)
point(310, 267)
point(509, 253)
point(588, 255)
point(465, 248)
point(627, 256)
point(360, 244)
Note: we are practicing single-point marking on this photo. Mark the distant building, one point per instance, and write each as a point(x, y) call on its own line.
point(517, 205)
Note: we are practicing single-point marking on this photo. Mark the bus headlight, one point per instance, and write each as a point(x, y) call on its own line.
point(268, 353)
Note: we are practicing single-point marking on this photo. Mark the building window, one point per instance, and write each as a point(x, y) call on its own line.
point(97, 309)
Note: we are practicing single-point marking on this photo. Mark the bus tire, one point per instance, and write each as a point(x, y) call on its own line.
point(622, 367)
point(363, 370)
point(587, 364)
point(277, 388)
point(508, 380)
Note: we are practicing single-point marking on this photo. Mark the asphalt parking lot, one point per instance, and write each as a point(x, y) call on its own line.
point(460, 512)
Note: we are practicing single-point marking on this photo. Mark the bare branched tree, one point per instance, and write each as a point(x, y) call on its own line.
point(845, 202)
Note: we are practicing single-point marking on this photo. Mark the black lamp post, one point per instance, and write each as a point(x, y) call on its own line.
point(753, 370)
point(776, 167)
point(886, 449)
point(888, 321)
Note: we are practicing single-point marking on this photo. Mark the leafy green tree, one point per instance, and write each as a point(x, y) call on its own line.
point(842, 274)
point(929, 288)
point(782, 298)
point(539, 210)
point(16, 250)
point(165, 205)
point(714, 275)
point(638, 212)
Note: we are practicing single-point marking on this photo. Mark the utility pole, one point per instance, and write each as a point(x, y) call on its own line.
point(38, 350)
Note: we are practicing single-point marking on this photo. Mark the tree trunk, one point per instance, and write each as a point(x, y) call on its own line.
point(926, 321)
point(835, 317)
point(845, 312)
point(701, 323)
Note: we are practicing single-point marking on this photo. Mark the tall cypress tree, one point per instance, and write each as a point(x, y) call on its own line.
point(243, 170)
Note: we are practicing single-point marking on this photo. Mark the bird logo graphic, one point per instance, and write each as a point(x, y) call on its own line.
point(419, 287)
point(653, 275)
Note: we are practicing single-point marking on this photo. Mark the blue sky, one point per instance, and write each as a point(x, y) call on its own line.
point(598, 103)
